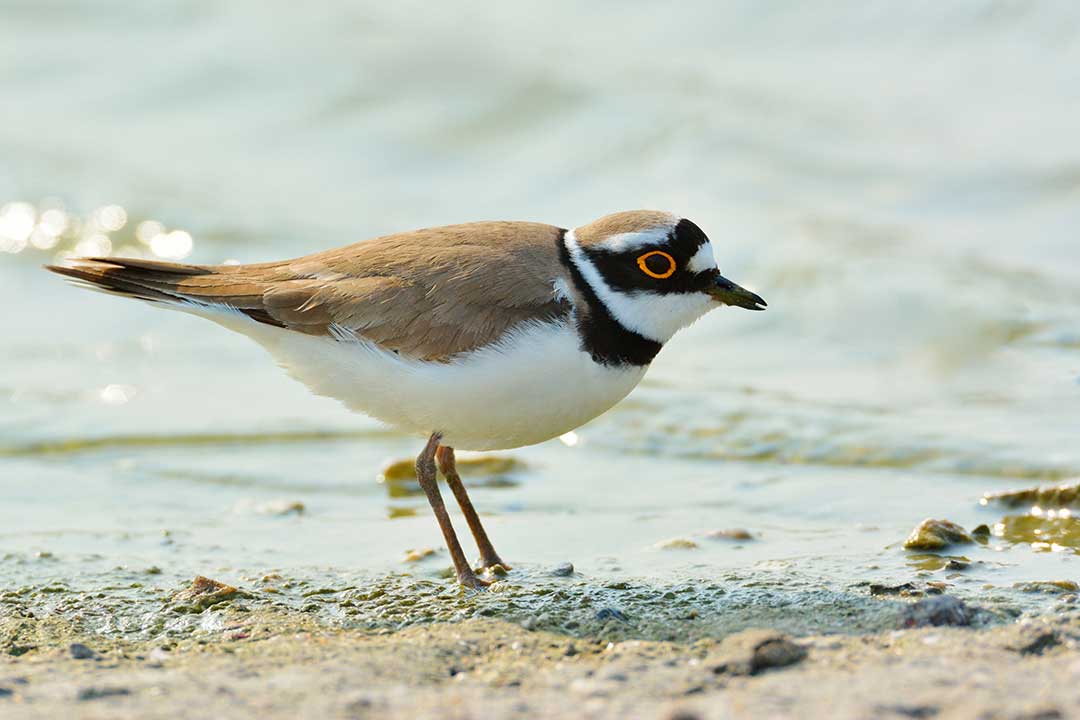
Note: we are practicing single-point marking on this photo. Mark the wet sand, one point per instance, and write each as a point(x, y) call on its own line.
point(211, 650)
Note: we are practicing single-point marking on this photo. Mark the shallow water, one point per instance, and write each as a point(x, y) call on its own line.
point(903, 190)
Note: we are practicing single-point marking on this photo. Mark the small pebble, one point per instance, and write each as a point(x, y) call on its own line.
point(157, 658)
point(730, 534)
point(565, 569)
point(611, 614)
point(81, 652)
point(754, 651)
point(686, 714)
point(1036, 641)
point(281, 508)
point(936, 611)
point(418, 554)
point(933, 534)
point(96, 693)
point(677, 544)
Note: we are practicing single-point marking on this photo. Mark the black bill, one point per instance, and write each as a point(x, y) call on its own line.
point(729, 293)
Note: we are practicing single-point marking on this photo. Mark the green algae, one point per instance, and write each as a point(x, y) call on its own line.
point(1053, 587)
point(570, 606)
point(1055, 496)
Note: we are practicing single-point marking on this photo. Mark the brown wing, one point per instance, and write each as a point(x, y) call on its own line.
point(427, 294)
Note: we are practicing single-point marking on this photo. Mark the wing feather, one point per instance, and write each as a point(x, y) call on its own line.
point(429, 294)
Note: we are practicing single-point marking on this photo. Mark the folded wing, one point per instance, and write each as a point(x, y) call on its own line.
point(429, 294)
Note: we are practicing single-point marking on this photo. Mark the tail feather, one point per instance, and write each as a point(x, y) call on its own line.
point(171, 283)
point(108, 275)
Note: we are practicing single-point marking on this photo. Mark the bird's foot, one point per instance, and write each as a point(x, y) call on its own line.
point(470, 580)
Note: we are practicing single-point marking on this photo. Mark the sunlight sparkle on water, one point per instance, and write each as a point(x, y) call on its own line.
point(173, 245)
point(147, 230)
point(94, 245)
point(117, 394)
point(109, 230)
point(16, 224)
point(110, 218)
point(54, 222)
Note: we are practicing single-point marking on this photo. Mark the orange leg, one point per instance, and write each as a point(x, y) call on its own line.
point(425, 473)
point(444, 456)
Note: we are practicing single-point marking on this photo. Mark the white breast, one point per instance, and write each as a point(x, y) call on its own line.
point(533, 385)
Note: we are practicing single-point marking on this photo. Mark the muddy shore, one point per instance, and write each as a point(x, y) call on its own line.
point(539, 645)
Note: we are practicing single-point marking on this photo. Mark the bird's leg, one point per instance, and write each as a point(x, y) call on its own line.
point(425, 473)
point(445, 457)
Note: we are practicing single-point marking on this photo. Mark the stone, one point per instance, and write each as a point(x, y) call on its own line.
point(936, 611)
point(933, 534)
point(730, 534)
point(204, 592)
point(417, 554)
point(611, 614)
point(677, 544)
point(96, 693)
point(81, 652)
point(754, 651)
point(565, 569)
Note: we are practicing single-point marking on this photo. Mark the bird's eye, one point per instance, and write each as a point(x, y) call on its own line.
point(657, 264)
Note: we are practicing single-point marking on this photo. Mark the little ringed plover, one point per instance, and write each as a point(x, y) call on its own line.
point(482, 336)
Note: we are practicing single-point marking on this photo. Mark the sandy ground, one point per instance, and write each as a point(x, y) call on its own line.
point(272, 663)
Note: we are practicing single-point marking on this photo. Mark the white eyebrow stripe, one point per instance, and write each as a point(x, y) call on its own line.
point(703, 259)
point(633, 241)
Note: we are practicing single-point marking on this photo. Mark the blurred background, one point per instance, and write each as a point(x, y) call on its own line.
point(901, 183)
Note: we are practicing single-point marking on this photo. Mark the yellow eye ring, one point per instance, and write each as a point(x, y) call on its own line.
point(642, 262)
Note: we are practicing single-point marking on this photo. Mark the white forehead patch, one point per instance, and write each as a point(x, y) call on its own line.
point(652, 315)
point(703, 259)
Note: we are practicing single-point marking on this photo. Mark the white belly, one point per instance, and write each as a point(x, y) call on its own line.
point(533, 385)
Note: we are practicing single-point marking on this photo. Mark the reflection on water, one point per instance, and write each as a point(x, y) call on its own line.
point(398, 477)
point(906, 201)
point(1043, 532)
point(932, 562)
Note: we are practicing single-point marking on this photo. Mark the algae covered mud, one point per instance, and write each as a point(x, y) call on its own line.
point(907, 201)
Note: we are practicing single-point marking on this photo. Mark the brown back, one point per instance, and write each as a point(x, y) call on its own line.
point(428, 294)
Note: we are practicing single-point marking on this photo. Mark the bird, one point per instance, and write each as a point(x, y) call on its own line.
point(478, 336)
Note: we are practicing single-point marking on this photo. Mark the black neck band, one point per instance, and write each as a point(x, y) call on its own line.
point(602, 336)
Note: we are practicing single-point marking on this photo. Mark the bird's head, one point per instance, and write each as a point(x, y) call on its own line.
point(654, 272)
